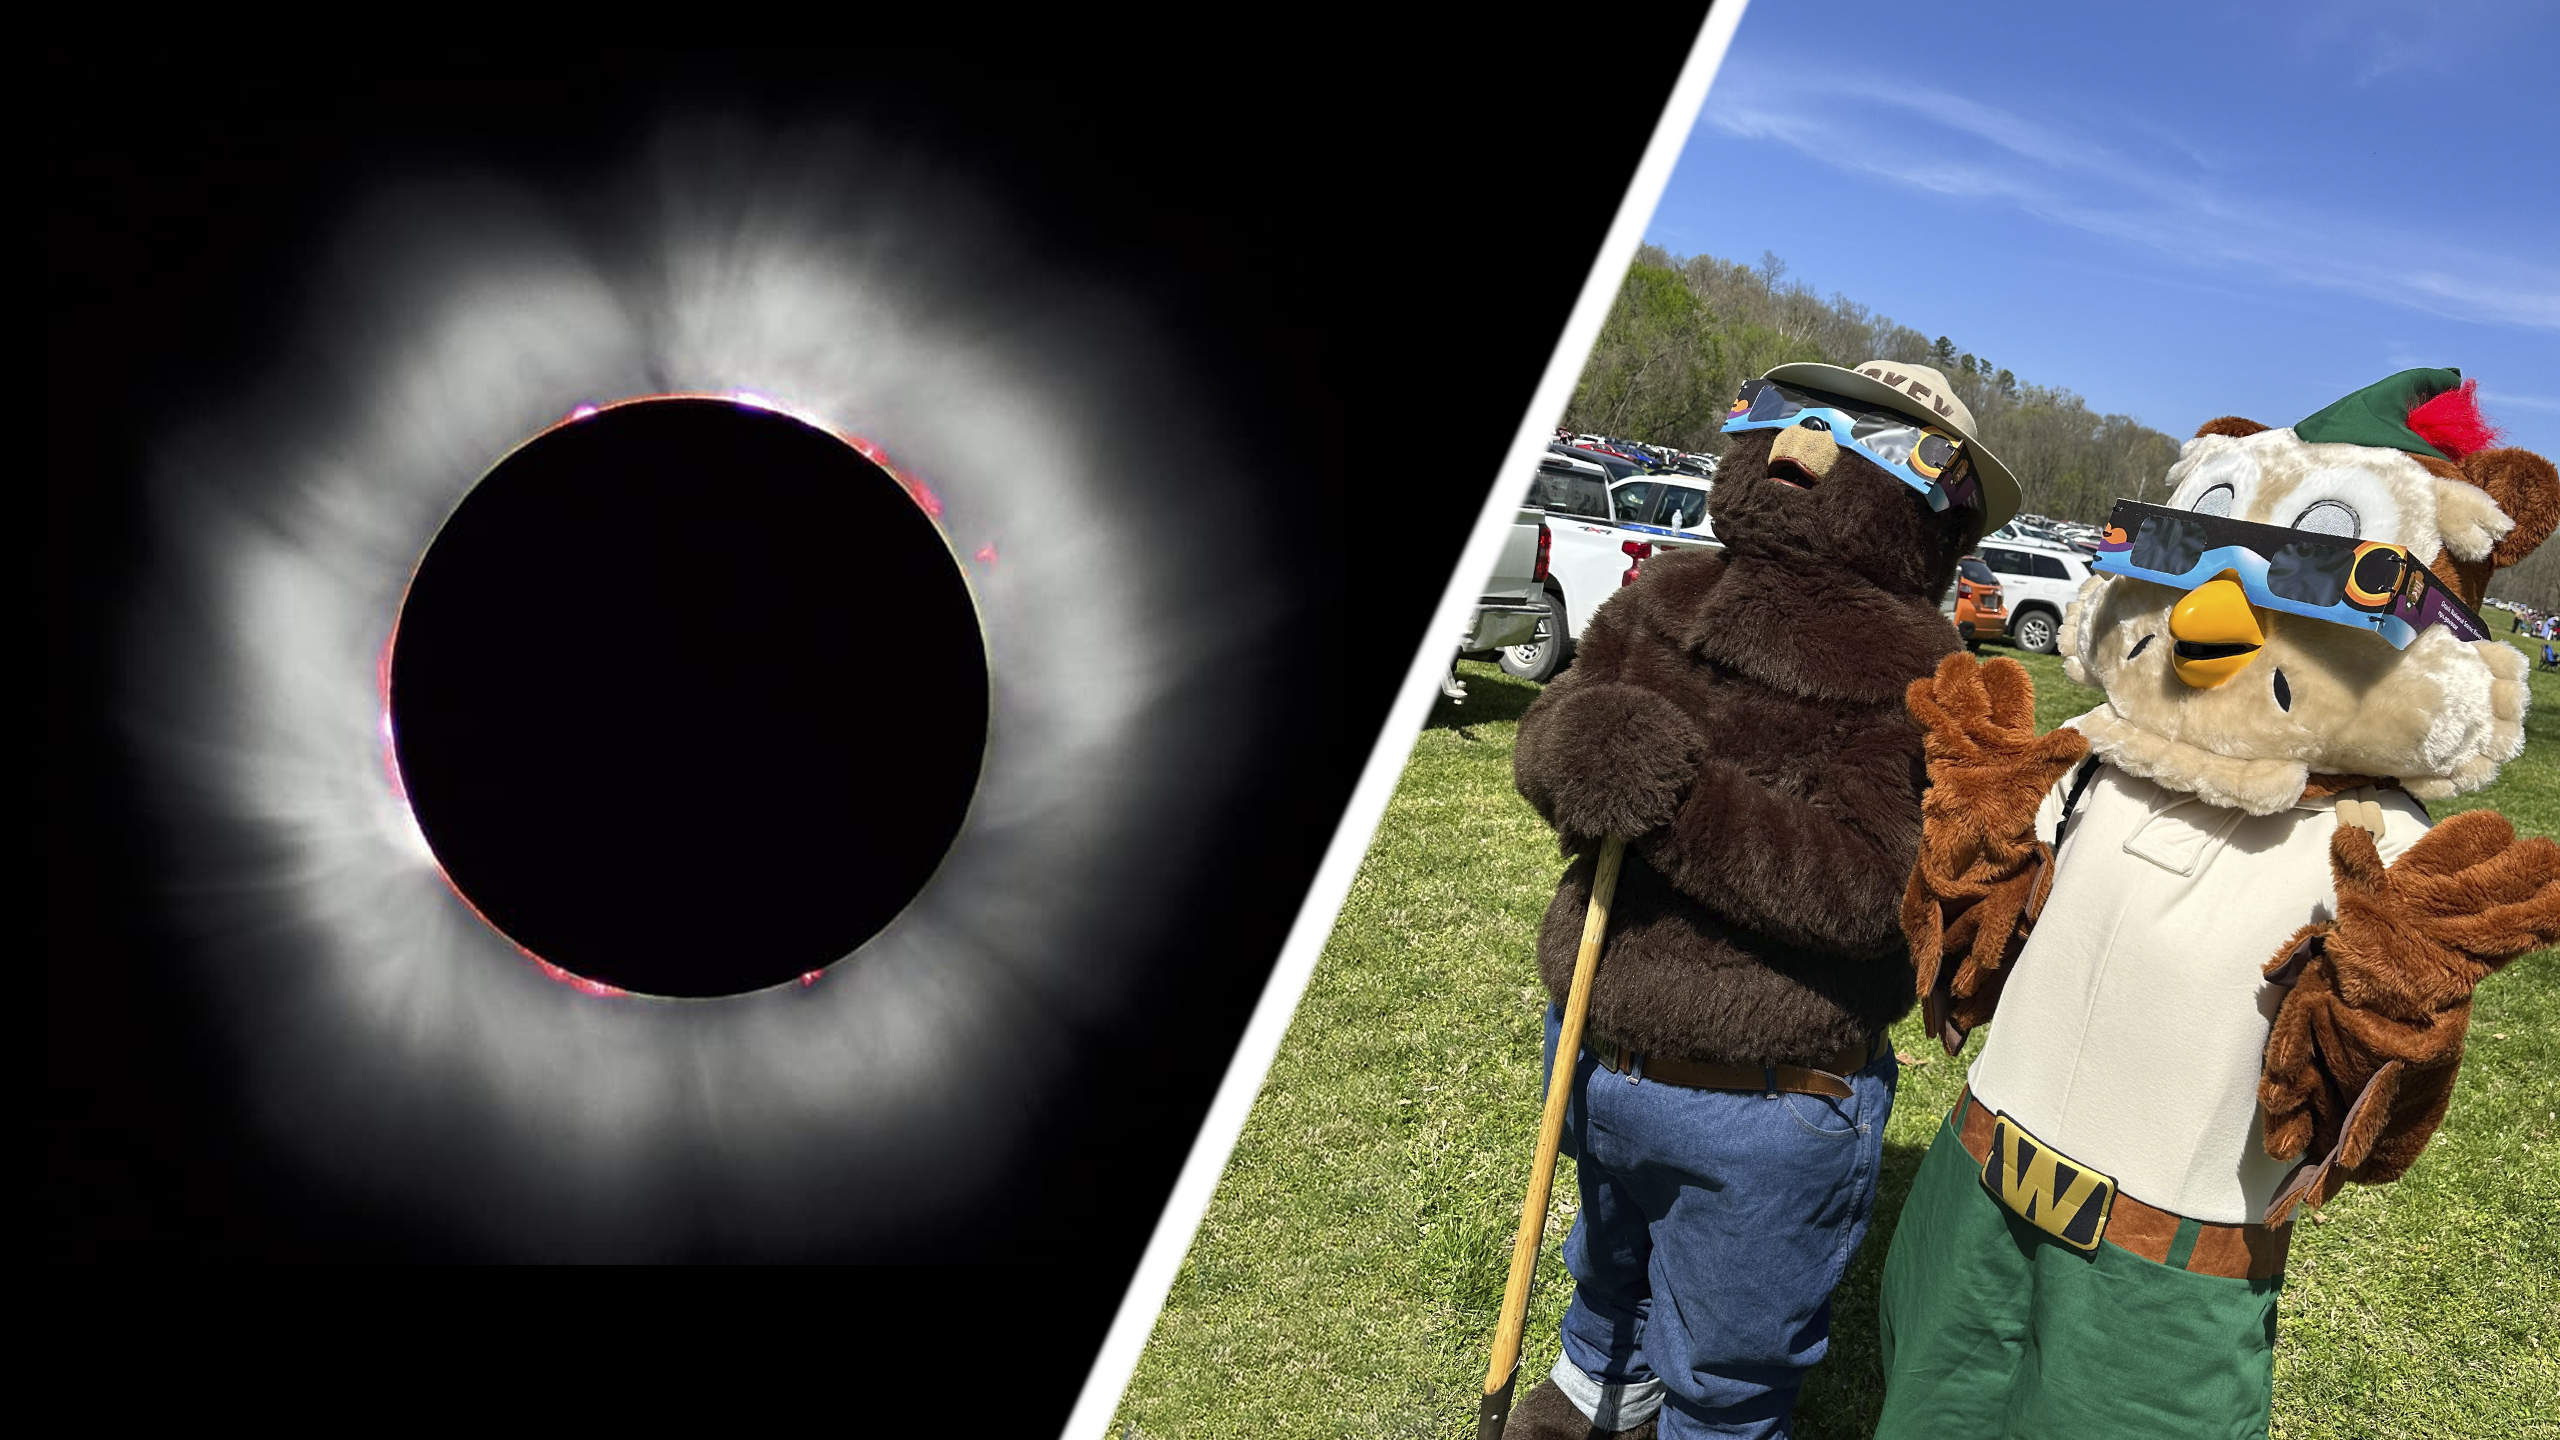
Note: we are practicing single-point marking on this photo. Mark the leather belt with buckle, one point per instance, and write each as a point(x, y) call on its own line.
point(1825, 1077)
point(2081, 1207)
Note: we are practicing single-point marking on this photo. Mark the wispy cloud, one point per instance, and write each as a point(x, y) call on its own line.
point(1973, 153)
point(2381, 39)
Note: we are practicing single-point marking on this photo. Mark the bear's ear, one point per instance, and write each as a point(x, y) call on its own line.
point(2231, 425)
point(2527, 488)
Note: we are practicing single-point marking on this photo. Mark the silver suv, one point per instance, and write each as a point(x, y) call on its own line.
point(2038, 581)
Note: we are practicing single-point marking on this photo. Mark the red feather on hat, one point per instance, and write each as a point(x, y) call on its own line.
point(2452, 422)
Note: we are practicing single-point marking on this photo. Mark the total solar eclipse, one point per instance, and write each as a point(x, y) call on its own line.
point(689, 697)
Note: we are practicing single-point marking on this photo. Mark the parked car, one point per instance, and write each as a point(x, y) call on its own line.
point(1662, 504)
point(1974, 607)
point(1514, 601)
point(1567, 485)
point(1618, 467)
point(1599, 536)
point(2039, 582)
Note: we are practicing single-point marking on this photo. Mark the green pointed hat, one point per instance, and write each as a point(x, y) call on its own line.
point(2378, 414)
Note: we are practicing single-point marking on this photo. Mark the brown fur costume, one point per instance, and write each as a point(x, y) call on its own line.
point(1738, 717)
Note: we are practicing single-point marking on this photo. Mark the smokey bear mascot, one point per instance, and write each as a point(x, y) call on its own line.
point(1737, 717)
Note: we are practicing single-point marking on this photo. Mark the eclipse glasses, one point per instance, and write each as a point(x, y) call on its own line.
point(2370, 584)
point(1914, 453)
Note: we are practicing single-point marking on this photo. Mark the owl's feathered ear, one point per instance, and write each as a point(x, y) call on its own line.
point(2527, 488)
point(2231, 425)
point(2471, 522)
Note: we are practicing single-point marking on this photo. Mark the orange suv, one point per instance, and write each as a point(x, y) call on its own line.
point(1975, 606)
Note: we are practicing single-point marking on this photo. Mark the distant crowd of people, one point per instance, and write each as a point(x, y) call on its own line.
point(2535, 623)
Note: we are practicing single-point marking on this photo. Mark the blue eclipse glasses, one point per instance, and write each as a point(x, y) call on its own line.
point(2368, 584)
point(1916, 454)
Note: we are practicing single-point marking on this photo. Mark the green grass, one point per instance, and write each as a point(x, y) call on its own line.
point(2528, 787)
point(1346, 1278)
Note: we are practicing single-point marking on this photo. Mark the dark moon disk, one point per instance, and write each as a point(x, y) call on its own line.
point(689, 697)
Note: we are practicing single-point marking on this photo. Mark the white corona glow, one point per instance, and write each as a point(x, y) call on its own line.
point(390, 1037)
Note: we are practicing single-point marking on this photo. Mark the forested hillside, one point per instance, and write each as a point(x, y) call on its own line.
point(1686, 333)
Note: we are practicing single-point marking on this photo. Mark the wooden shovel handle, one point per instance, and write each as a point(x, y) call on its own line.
point(1542, 1171)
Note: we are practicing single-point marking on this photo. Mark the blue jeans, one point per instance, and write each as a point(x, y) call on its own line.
point(1714, 1226)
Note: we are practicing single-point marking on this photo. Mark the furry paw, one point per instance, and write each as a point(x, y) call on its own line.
point(1975, 712)
point(2361, 1060)
point(1988, 769)
point(2413, 940)
point(1609, 759)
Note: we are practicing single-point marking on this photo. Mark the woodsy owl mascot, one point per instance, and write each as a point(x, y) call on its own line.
point(2233, 963)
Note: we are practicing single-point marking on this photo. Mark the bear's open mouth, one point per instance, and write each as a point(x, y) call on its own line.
point(2197, 650)
point(1791, 472)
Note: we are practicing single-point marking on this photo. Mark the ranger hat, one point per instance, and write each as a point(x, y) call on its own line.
point(1923, 394)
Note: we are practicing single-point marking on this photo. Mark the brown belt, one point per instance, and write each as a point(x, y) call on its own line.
point(2234, 1252)
point(1822, 1079)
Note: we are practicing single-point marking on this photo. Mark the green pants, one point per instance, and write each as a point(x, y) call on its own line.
point(1994, 1330)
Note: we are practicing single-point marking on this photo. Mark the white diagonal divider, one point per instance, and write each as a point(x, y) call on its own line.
point(1216, 1141)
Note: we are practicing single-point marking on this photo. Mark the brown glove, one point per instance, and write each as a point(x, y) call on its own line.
point(2362, 1059)
point(1981, 868)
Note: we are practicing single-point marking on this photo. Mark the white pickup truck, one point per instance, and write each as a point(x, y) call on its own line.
point(1599, 536)
point(1513, 604)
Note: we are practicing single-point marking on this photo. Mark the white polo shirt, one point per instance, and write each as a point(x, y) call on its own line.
point(2131, 1034)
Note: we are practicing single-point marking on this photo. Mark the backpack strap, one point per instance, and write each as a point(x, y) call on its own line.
point(2070, 802)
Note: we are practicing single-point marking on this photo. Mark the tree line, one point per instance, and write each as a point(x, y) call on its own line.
point(1686, 332)
point(2533, 581)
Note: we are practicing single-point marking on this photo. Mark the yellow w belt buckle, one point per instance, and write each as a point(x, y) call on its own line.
point(2056, 1194)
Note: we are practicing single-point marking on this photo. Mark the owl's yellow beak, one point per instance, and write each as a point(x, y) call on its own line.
point(2218, 632)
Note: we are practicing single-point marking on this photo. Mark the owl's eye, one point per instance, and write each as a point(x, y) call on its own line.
point(2216, 501)
point(2328, 517)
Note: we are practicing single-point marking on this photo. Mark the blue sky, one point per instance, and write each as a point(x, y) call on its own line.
point(2178, 210)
